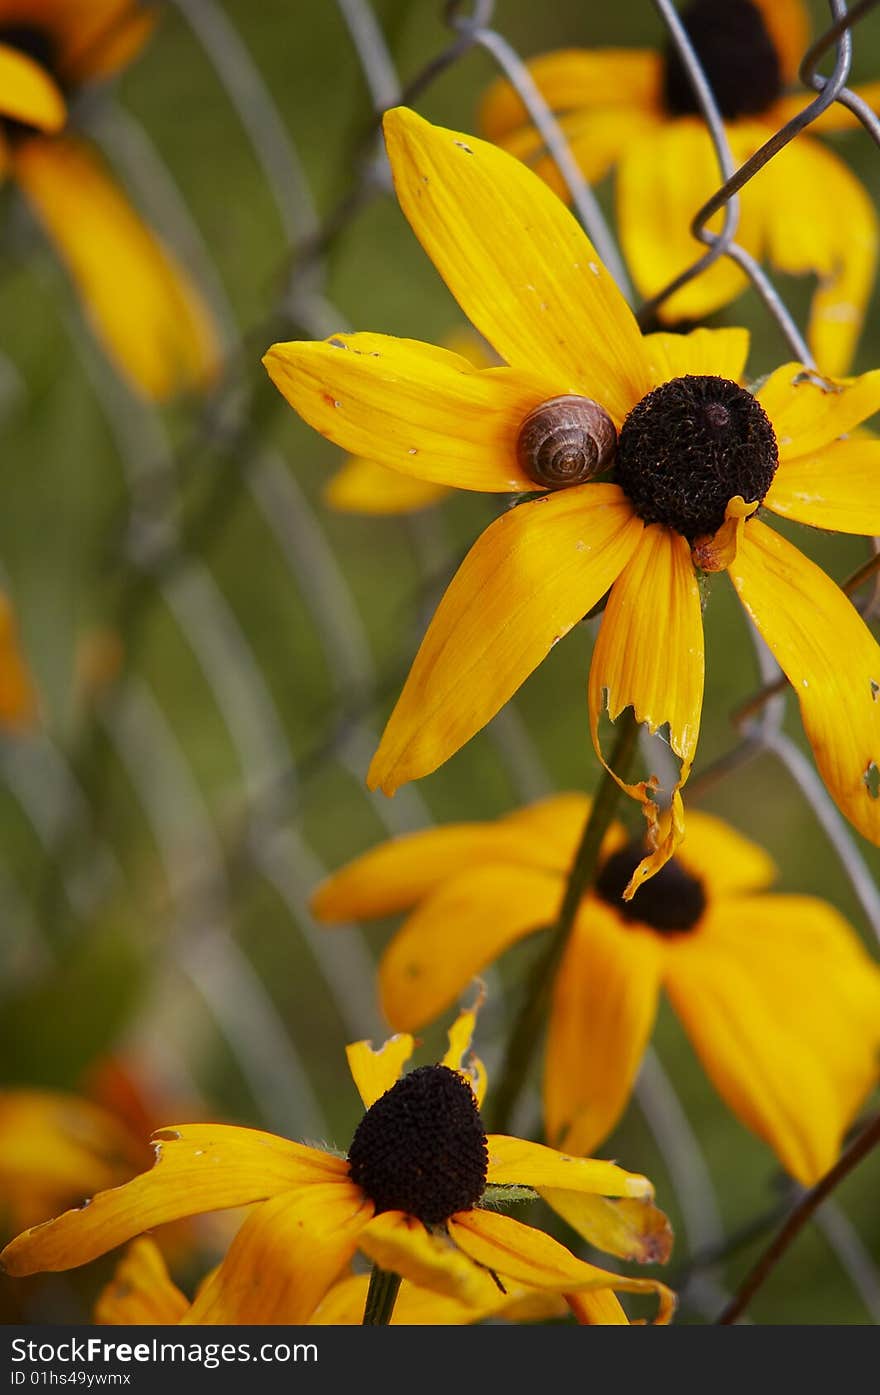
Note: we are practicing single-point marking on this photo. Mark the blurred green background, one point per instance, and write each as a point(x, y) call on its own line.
point(161, 833)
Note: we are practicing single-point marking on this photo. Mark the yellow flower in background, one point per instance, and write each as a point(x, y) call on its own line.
point(776, 993)
point(408, 1196)
point(693, 455)
point(364, 486)
point(18, 695)
point(634, 110)
point(142, 1292)
point(150, 320)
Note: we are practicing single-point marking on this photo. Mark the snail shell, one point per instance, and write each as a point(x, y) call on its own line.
point(565, 441)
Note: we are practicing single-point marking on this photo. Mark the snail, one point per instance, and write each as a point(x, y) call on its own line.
point(565, 441)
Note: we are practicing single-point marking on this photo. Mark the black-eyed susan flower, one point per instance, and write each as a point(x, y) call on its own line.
point(150, 320)
point(692, 454)
point(409, 1195)
point(780, 1000)
point(634, 110)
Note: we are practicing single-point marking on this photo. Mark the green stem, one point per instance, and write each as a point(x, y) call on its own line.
point(527, 1028)
point(381, 1297)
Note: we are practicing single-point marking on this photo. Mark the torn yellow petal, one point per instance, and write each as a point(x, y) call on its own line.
point(837, 488)
point(459, 1056)
point(520, 266)
point(604, 1004)
point(720, 353)
point(28, 93)
point(633, 1230)
point(455, 933)
point(515, 1161)
point(141, 1291)
point(362, 486)
point(809, 411)
point(150, 319)
point(198, 1168)
point(18, 697)
point(532, 575)
point(285, 1257)
point(424, 411)
point(575, 78)
point(375, 1071)
point(649, 656)
point(401, 1243)
point(831, 660)
point(714, 552)
point(725, 861)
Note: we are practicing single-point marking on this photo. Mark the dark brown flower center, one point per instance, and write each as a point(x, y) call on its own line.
point(421, 1148)
point(671, 901)
point(39, 44)
point(736, 53)
point(690, 447)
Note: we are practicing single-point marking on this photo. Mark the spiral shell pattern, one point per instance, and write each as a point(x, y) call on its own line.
point(565, 441)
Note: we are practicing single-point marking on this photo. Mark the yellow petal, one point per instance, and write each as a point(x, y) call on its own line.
point(419, 1307)
point(604, 1004)
point(516, 1162)
point(517, 262)
point(714, 552)
point(835, 236)
point(809, 412)
point(599, 1309)
point(18, 698)
point(720, 353)
point(770, 1076)
point(836, 488)
point(724, 860)
point(424, 411)
point(150, 319)
point(459, 1056)
point(401, 1243)
point(837, 117)
point(456, 932)
point(141, 1291)
point(28, 93)
point(531, 1257)
point(198, 1168)
point(527, 580)
point(97, 39)
point(285, 1257)
point(595, 138)
point(362, 486)
point(632, 1230)
point(574, 78)
point(831, 660)
point(656, 595)
point(788, 24)
point(374, 1072)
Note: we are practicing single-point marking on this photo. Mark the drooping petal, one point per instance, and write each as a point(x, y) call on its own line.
point(28, 93)
point(453, 934)
point(720, 353)
point(770, 1076)
point(459, 1056)
point(527, 580)
point(141, 1291)
point(835, 237)
point(649, 656)
point(375, 1071)
point(530, 1257)
point(198, 1168)
point(150, 319)
point(725, 861)
point(837, 488)
point(599, 1309)
point(596, 138)
point(362, 486)
point(809, 411)
point(604, 1004)
point(633, 1230)
point(401, 1244)
point(420, 1307)
point(572, 79)
point(424, 411)
point(830, 658)
point(285, 1257)
point(517, 262)
point(515, 1161)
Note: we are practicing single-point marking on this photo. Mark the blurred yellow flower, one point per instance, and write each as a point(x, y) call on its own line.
point(18, 696)
point(634, 109)
point(408, 1195)
point(778, 996)
point(694, 454)
point(151, 321)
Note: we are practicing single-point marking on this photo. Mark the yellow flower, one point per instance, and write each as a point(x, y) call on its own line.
point(142, 1293)
point(779, 998)
point(408, 1196)
point(695, 455)
point(151, 321)
point(18, 696)
point(364, 486)
point(633, 109)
